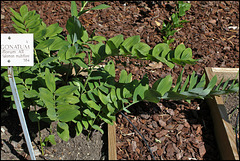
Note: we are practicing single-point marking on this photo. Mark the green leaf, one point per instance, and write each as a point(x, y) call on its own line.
point(178, 51)
point(106, 119)
point(44, 44)
point(71, 52)
point(78, 128)
point(48, 60)
point(202, 82)
point(51, 139)
point(175, 18)
point(84, 37)
point(17, 15)
point(163, 60)
point(47, 97)
point(19, 24)
point(89, 113)
point(185, 85)
point(110, 68)
point(23, 10)
point(225, 84)
point(67, 99)
point(93, 105)
point(113, 95)
point(58, 44)
point(33, 23)
point(123, 76)
point(143, 85)
point(74, 11)
point(105, 100)
point(50, 80)
point(119, 93)
point(164, 85)
point(34, 116)
point(193, 81)
point(63, 131)
point(179, 81)
point(67, 113)
point(53, 30)
point(62, 53)
point(51, 113)
point(171, 95)
point(140, 49)
point(211, 84)
point(66, 90)
point(31, 94)
point(96, 127)
point(183, 7)
point(159, 48)
point(18, 29)
point(74, 28)
point(130, 42)
point(112, 46)
point(110, 108)
point(79, 62)
point(85, 123)
point(187, 54)
point(99, 38)
point(152, 96)
point(101, 6)
point(31, 17)
point(38, 32)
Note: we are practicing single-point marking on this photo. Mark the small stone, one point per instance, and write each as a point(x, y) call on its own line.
point(2, 130)
point(37, 152)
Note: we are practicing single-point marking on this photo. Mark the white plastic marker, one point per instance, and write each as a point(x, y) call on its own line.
point(17, 50)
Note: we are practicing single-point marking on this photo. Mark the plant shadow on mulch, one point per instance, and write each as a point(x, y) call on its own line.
point(16, 147)
point(200, 117)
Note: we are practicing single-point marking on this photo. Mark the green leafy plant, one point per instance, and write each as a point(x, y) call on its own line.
point(168, 29)
point(90, 95)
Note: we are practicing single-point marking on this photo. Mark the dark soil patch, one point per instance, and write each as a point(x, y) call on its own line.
point(212, 34)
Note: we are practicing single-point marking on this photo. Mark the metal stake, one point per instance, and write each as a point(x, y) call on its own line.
point(19, 111)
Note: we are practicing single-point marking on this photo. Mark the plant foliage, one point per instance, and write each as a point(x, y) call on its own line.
point(86, 100)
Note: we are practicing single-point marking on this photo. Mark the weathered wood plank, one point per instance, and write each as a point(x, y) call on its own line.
point(224, 133)
point(112, 147)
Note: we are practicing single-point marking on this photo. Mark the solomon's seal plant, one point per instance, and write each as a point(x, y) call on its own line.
point(90, 95)
point(168, 28)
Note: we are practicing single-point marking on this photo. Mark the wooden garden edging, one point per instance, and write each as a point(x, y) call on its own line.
point(225, 136)
point(112, 147)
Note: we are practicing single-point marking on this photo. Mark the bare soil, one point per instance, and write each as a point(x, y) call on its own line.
point(173, 129)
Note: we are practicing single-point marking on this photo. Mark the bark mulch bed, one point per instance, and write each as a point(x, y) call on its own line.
point(173, 129)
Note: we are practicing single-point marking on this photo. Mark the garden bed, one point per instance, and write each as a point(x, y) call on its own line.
point(173, 130)
point(220, 107)
point(165, 133)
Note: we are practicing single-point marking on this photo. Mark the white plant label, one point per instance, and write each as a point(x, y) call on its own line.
point(17, 50)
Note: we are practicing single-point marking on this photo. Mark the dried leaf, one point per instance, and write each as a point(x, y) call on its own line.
point(155, 65)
